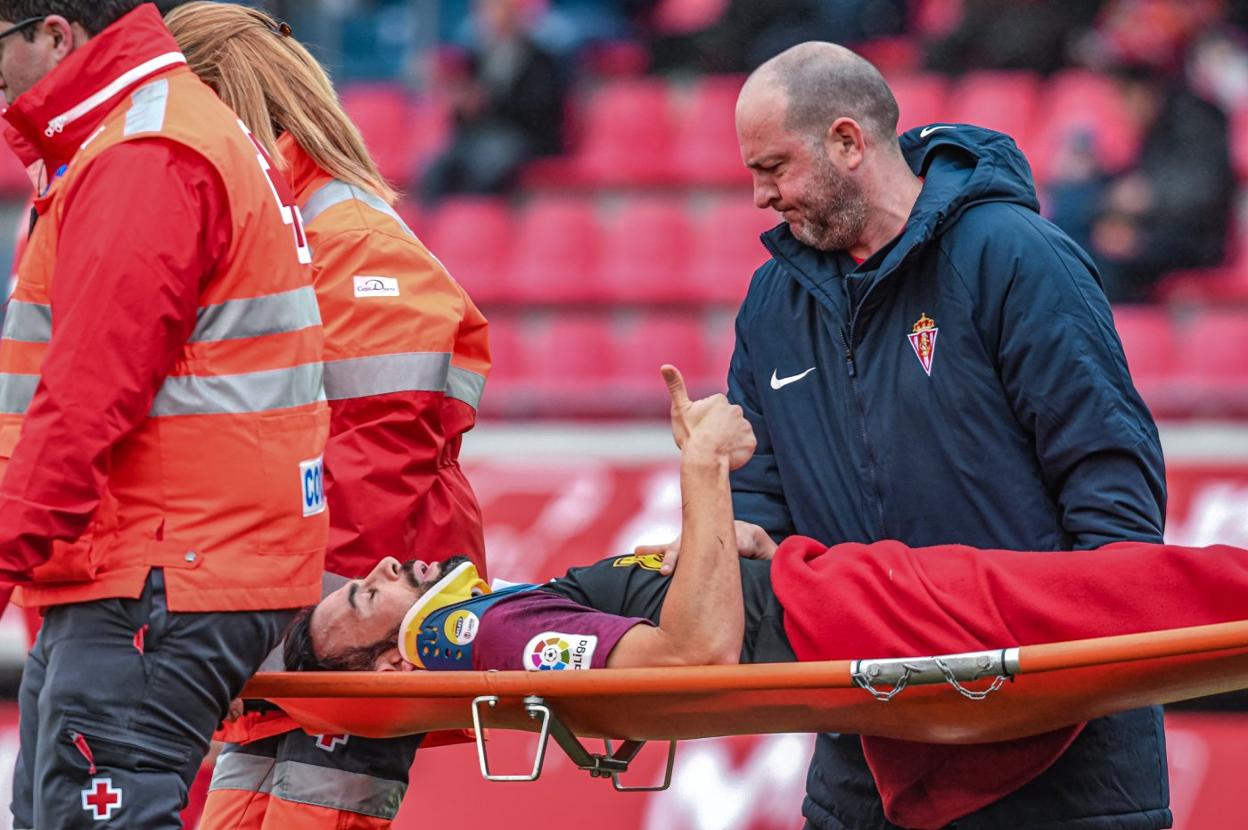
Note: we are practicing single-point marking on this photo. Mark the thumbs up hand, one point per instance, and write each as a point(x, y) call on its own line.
point(718, 426)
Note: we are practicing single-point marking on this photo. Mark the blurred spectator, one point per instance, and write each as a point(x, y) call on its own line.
point(1013, 34)
point(1171, 209)
point(507, 100)
point(740, 34)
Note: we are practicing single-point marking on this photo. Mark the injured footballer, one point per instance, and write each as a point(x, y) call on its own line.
point(801, 600)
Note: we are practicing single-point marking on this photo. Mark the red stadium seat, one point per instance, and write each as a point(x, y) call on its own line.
point(556, 253)
point(646, 253)
point(1148, 340)
point(720, 346)
point(472, 237)
point(1077, 102)
point(726, 249)
point(386, 116)
point(627, 138)
point(650, 342)
point(507, 364)
point(921, 100)
point(1003, 101)
point(1214, 347)
point(1213, 363)
point(568, 362)
point(706, 150)
point(1239, 143)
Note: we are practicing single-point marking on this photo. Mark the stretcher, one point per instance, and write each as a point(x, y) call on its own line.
point(968, 698)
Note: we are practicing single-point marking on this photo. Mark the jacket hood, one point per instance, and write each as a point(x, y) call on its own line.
point(961, 166)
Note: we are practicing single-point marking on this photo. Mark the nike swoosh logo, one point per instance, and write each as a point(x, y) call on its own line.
point(926, 131)
point(780, 383)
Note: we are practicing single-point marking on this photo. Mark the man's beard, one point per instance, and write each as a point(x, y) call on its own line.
point(836, 213)
point(409, 572)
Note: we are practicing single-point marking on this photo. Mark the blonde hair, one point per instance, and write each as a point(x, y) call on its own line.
point(274, 85)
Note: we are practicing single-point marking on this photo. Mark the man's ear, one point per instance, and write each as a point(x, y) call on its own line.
point(66, 36)
point(845, 142)
point(392, 660)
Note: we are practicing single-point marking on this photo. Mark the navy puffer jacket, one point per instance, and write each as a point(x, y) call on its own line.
point(964, 385)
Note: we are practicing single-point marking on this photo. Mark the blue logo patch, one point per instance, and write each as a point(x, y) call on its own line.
point(312, 485)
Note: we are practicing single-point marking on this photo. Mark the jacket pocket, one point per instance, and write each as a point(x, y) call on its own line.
point(104, 744)
point(292, 449)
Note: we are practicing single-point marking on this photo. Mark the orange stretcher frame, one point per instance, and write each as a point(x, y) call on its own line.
point(1044, 687)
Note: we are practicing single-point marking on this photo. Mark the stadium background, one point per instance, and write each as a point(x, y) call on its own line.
point(634, 244)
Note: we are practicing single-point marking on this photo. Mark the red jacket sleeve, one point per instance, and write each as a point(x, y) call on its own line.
point(141, 230)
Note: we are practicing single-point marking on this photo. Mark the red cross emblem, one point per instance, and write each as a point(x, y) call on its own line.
point(101, 799)
point(330, 742)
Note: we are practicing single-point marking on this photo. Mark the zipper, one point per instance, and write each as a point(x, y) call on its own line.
point(117, 737)
point(79, 741)
point(57, 125)
point(873, 476)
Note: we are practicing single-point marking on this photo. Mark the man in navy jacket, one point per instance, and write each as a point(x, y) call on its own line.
point(926, 359)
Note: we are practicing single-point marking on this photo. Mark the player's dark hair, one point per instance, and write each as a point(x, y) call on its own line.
point(299, 653)
point(93, 15)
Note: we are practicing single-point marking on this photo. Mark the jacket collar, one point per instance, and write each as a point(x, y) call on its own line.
point(302, 173)
point(60, 112)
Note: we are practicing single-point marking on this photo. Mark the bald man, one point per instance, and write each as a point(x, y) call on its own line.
point(925, 358)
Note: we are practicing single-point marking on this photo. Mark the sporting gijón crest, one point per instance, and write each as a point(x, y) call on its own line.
point(923, 340)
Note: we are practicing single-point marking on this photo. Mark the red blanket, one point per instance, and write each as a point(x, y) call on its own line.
point(856, 601)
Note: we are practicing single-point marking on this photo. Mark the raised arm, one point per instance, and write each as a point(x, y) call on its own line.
point(703, 618)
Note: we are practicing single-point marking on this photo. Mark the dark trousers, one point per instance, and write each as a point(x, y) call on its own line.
point(119, 699)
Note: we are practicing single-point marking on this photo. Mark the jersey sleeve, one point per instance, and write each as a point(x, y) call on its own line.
point(541, 631)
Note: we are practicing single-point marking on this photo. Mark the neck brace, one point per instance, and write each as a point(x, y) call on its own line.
point(462, 583)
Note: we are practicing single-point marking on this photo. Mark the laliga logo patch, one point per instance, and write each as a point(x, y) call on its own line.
point(461, 627)
point(923, 340)
point(554, 651)
point(366, 286)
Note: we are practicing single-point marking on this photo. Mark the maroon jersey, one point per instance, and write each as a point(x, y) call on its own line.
point(541, 631)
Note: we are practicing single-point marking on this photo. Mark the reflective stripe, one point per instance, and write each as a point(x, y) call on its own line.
point(28, 322)
point(235, 394)
point(336, 192)
point(338, 789)
point(465, 385)
point(359, 377)
point(243, 771)
point(147, 113)
point(16, 392)
point(257, 316)
point(125, 79)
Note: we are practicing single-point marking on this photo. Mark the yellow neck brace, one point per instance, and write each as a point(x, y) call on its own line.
point(460, 584)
